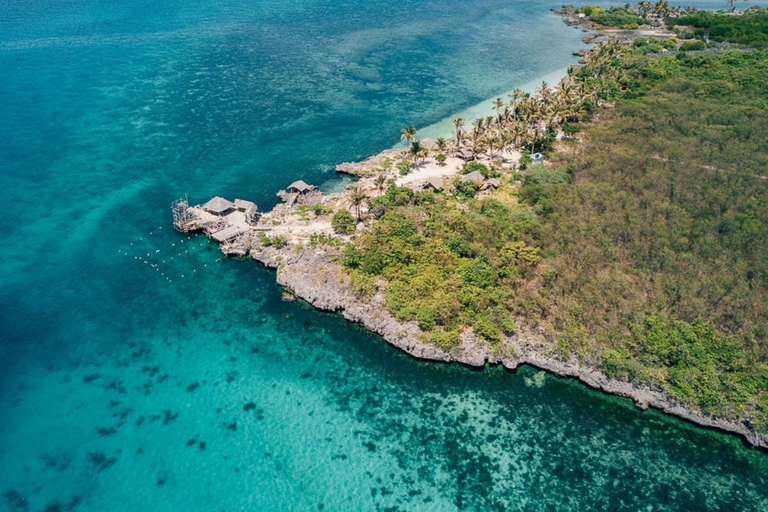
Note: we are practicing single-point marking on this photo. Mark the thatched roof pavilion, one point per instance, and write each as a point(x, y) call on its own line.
point(491, 183)
point(300, 187)
point(465, 154)
point(248, 207)
point(474, 176)
point(219, 206)
point(435, 184)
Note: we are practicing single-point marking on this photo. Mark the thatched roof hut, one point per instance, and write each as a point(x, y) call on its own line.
point(474, 176)
point(491, 183)
point(299, 187)
point(248, 207)
point(219, 206)
point(465, 154)
point(435, 184)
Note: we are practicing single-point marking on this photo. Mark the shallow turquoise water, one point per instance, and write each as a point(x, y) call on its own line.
point(141, 372)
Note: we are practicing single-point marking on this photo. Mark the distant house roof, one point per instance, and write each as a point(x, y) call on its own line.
point(218, 205)
point(435, 183)
point(300, 187)
point(473, 176)
point(243, 205)
point(491, 183)
point(465, 154)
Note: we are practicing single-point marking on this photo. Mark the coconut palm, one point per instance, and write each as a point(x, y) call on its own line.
point(409, 135)
point(357, 197)
point(493, 142)
point(515, 97)
point(380, 181)
point(644, 7)
point(458, 125)
point(441, 144)
point(499, 104)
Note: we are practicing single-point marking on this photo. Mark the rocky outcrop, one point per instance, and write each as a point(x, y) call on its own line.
point(365, 167)
point(313, 275)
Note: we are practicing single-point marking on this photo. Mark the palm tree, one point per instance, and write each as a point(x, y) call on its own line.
point(380, 181)
point(644, 7)
point(493, 142)
point(458, 125)
point(515, 96)
point(499, 104)
point(408, 134)
point(357, 196)
point(441, 143)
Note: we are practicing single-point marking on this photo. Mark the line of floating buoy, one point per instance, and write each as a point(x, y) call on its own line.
point(161, 265)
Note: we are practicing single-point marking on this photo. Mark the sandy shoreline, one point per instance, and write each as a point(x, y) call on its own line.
point(485, 108)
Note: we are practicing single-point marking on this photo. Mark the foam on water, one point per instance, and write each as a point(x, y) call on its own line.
point(140, 371)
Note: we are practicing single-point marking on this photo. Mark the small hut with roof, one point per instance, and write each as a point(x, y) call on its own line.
point(219, 206)
point(436, 184)
point(465, 154)
point(491, 183)
point(473, 176)
point(299, 187)
point(248, 208)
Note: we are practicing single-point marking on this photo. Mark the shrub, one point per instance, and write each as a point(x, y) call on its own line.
point(692, 46)
point(475, 166)
point(278, 242)
point(343, 222)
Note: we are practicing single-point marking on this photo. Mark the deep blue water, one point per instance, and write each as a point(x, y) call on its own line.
point(192, 384)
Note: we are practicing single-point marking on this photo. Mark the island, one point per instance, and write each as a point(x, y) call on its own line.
point(610, 228)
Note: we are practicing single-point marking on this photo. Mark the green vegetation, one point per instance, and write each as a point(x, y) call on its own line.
point(447, 267)
point(692, 46)
point(653, 259)
point(343, 222)
point(622, 17)
point(749, 28)
point(278, 241)
point(640, 252)
point(653, 45)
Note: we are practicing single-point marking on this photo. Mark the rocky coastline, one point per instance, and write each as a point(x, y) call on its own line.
point(313, 275)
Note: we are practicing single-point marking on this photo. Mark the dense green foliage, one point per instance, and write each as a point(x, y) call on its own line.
point(653, 45)
point(654, 257)
point(448, 267)
point(621, 17)
point(343, 222)
point(641, 251)
point(749, 28)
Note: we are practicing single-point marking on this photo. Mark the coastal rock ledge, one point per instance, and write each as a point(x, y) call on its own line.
point(313, 275)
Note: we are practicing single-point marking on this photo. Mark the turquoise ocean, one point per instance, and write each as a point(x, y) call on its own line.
point(140, 371)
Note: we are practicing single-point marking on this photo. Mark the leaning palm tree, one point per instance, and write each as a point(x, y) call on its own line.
point(357, 197)
point(458, 125)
